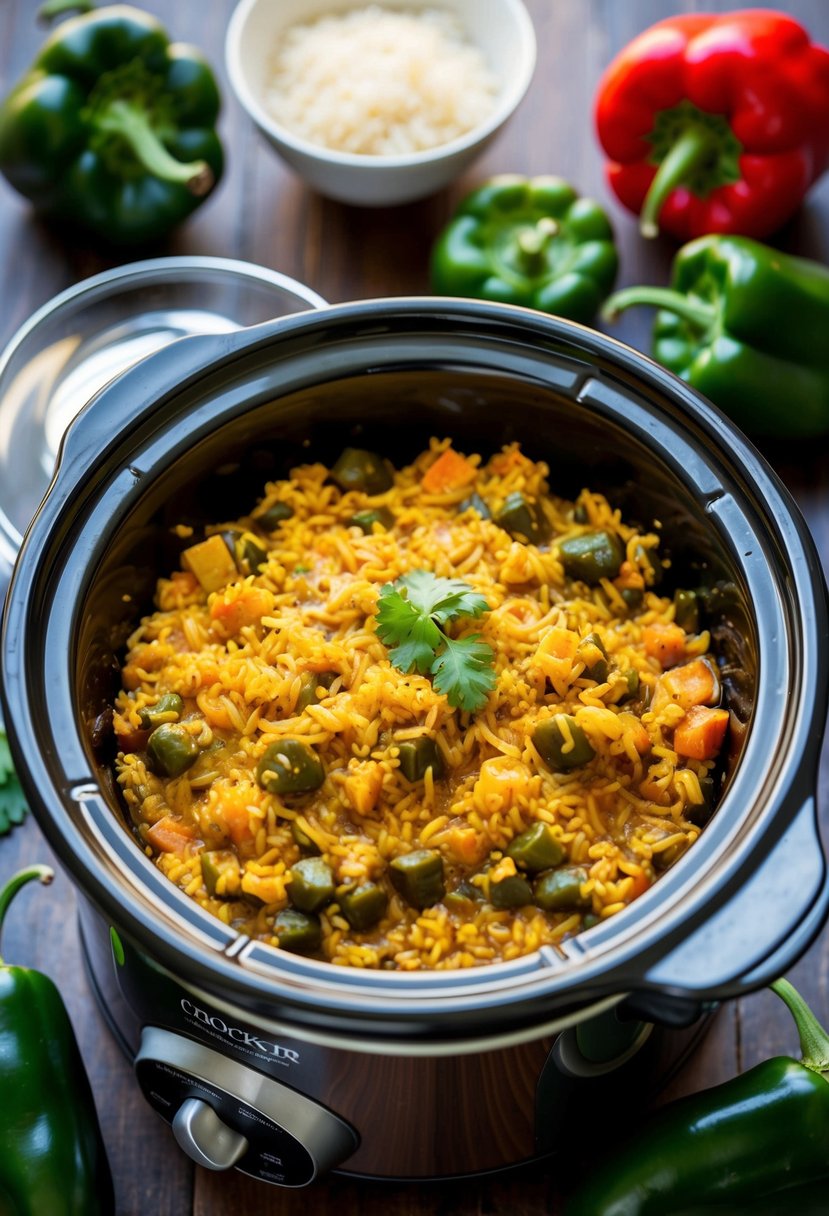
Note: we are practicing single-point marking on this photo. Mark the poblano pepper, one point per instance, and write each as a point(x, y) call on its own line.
point(746, 325)
point(756, 1136)
point(113, 127)
point(52, 1157)
point(530, 241)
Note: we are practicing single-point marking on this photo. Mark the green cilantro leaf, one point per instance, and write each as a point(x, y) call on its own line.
point(410, 612)
point(13, 806)
point(463, 672)
point(441, 598)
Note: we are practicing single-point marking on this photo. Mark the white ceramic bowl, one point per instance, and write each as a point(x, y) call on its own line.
point(502, 29)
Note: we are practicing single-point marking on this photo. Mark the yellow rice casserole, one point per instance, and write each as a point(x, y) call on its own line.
point(268, 634)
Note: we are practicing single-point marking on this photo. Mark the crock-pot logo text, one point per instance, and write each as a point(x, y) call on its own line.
point(273, 1050)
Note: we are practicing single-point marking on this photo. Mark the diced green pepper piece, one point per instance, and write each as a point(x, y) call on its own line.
point(311, 885)
point(219, 864)
point(551, 739)
point(418, 877)
point(512, 892)
point(591, 556)
point(274, 515)
point(168, 708)
point(363, 906)
point(299, 932)
point(633, 597)
point(310, 682)
point(699, 813)
point(560, 889)
point(536, 849)
point(464, 894)
point(632, 681)
point(358, 469)
point(580, 513)
point(522, 519)
point(171, 750)
point(290, 767)
point(417, 755)
point(248, 553)
point(592, 653)
point(367, 519)
point(654, 563)
point(686, 610)
point(475, 503)
point(303, 840)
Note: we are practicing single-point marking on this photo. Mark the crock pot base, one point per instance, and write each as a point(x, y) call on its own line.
point(552, 1083)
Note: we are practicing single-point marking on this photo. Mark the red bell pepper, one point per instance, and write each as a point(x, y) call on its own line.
point(716, 123)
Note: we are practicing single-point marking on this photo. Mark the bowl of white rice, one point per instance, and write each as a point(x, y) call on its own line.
point(380, 103)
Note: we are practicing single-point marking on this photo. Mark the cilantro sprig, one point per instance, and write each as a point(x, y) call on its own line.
point(411, 612)
point(13, 806)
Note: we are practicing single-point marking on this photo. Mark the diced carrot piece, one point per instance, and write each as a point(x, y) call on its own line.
point(701, 732)
point(170, 835)
point(467, 846)
point(637, 732)
point(641, 882)
point(665, 642)
point(693, 683)
point(449, 472)
point(233, 811)
point(234, 612)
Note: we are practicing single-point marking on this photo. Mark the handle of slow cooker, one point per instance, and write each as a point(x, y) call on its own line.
point(753, 937)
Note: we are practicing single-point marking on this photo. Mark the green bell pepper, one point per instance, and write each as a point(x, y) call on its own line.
point(752, 1137)
point(530, 241)
point(52, 1157)
point(112, 129)
point(746, 325)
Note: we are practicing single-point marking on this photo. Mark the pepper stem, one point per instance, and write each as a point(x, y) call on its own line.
point(690, 150)
point(531, 245)
point(694, 311)
point(56, 8)
point(814, 1041)
point(122, 118)
point(44, 873)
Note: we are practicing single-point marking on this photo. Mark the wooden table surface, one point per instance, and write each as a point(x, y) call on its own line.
point(262, 213)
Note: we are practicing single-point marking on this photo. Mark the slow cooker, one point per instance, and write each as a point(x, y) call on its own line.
point(284, 1066)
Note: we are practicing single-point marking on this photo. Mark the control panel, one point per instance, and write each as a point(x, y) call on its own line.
point(225, 1115)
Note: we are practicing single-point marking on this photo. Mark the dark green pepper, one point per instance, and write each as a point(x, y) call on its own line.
point(745, 325)
point(290, 767)
point(475, 503)
point(218, 864)
point(312, 884)
point(247, 552)
point(52, 1156)
point(113, 127)
point(511, 892)
point(168, 708)
point(560, 889)
point(365, 520)
point(745, 1140)
point(686, 610)
point(591, 556)
point(591, 651)
point(561, 743)
point(418, 755)
point(299, 932)
point(529, 241)
point(418, 877)
point(358, 469)
point(310, 682)
point(536, 849)
point(523, 519)
point(303, 840)
point(274, 515)
point(363, 906)
point(171, 750)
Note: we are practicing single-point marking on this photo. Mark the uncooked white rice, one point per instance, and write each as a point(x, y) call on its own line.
point(380, 82)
